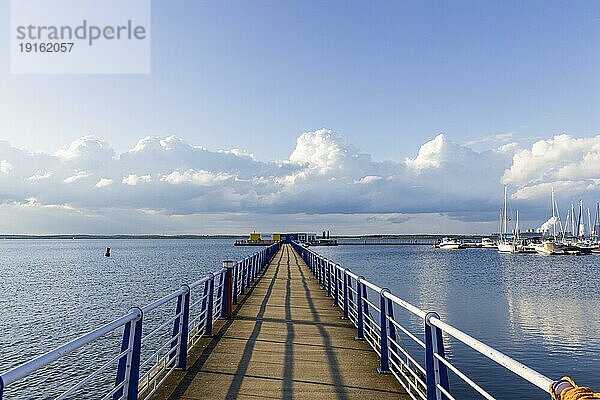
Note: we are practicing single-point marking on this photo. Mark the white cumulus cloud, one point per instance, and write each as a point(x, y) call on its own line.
point(39, 176)
point(104, 182)
point(133, 179)
point(322, 175)
point(200, 177)
point(77, 176)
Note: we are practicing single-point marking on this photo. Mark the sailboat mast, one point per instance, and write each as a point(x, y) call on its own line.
point(517, 228)
point(597, 222)
point(579, 220)
point(505, 191)
point(501, 227)
point(553, 216)
point(564, 229)
point(589, 215)
point(572, 220)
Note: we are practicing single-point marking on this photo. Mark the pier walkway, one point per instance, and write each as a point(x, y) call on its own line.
point(286, 341)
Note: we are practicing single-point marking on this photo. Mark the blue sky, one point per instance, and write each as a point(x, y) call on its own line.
point(387, 76)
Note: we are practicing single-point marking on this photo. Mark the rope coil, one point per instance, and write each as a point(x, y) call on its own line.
point(574, 392)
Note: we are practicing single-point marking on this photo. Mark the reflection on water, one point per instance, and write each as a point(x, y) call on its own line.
point(52, 291)
point(543, 311)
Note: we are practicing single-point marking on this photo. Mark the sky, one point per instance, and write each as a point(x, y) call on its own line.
point(359, 117)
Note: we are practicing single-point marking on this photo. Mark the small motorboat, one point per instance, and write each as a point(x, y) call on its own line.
point(586, 247)
point(507, 246)
point(488, 243)
point(548, 248)
point(450, 243)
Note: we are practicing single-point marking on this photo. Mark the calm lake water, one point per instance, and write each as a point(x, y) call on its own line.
point(542, 311)
point(52, 291)
point(545, 312)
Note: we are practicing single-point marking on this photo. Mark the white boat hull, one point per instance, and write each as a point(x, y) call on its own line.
point(450, 246)
point(548, 249)
point(506, 248)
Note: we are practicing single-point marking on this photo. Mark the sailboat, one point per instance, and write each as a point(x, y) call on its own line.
point(505, 245)
point(596, 230)
point(583, 245)
point(516, 247)
point(549, 247)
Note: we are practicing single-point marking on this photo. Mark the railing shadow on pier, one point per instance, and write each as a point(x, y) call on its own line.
point(285, 306)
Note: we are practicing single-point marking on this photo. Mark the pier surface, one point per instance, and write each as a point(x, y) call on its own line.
point(285, 341)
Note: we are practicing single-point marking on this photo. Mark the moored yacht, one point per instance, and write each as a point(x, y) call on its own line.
point(507, 246)
point(548, 248)
point(488, 243)
point(586, 246)
point(450, 243)
point(504, 245)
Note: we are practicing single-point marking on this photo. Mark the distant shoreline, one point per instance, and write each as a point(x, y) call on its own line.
point(121, 237)
point(347, 237)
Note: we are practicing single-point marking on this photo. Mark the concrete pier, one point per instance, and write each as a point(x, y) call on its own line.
point(285, 341)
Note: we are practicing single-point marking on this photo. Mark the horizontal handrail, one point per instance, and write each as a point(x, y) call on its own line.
point(31, 366)
point(406, 305)
point(163, 300)
point(529, 374)
point(205, 279)
point(359, 306)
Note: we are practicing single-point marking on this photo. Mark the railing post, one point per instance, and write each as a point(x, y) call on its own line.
point(227, 302)
point(346, 291)
point(360, 325)
point(248, 272)
point(328, 273)
point(243, 275)
point(336, 293)
point(181, 327)
point(392, 331)
point(211, 306)
point(236, 273)
point(383, 337)
point(128, 370)
point(319, 266)
point(220, 294)
point(437, 373)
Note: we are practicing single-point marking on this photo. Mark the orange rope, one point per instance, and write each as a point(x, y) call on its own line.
point(576, 392)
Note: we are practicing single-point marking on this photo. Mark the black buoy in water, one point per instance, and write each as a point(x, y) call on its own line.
point(107, 252)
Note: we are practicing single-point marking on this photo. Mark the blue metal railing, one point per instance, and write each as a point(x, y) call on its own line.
point(373, 309)
point(145, 360)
